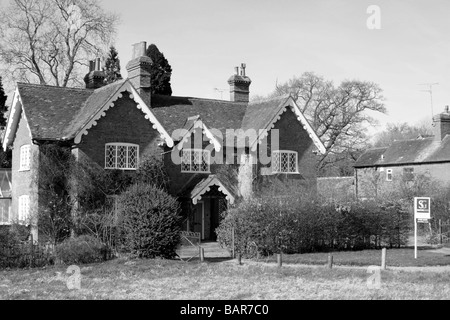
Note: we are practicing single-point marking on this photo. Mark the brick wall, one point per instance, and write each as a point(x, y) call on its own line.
point(293, 137)
point(23, 183)
point(124, 123)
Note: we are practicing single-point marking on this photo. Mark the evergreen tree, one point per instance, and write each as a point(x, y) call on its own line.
point(112, 66)
point(3, 98)
point(5, 157)
point(161, 72)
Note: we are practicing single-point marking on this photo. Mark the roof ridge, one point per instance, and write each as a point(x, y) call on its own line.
point(197, 98)
point(53, 87)
point(282, 97)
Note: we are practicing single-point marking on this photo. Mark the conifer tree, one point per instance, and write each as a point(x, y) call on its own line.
point(112, 66)
point(5, 157)
point(161, 72)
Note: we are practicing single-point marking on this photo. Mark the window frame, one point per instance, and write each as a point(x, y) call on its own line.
point(25, 164)
point(208, 162)
point(24, 204)
point(279, 170)
point(117, 145)
point(389, 175)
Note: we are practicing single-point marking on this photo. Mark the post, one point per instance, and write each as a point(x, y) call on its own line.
point(31, 251)
point(233, 253)
point(330, 261)
point(440, 231)
point(415, 238)
point(239, 258)
point(280, 260)
point(202, 254)
point(383, 259)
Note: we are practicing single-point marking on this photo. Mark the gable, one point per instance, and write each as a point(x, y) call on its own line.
point(192, 127)
point(263, 117)
point(125, 88)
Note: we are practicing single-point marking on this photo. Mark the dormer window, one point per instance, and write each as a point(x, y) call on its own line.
point(197, 161)
point(285, 162)
point(25, 158)
point(121, 156)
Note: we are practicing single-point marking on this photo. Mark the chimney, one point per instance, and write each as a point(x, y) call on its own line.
point(96, 77)
point(240, 85)
point(442, 124)
point(139, 71)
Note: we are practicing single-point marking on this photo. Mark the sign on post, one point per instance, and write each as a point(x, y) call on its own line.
point(422, 214)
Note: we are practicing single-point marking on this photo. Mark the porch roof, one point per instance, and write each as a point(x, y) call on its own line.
point(197, 190)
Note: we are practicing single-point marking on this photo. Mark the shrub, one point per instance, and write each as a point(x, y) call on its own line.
point(82, 250)
point(292, 225)
point(150, 221)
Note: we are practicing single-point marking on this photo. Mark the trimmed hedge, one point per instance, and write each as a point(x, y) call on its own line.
point(295, 226)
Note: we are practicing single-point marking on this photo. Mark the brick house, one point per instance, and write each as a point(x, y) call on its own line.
point(381, 170)
point(116, 125)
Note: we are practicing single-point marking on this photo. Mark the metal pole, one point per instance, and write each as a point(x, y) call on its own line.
point(415, 238)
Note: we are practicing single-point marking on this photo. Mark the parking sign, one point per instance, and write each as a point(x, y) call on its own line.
point(422, 208)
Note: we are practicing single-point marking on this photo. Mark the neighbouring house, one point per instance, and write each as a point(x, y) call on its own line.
point(381, 170)
point(114, 126)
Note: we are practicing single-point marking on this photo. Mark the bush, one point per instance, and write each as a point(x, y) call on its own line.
point(292, 225)
point(150, 221)
point(82, 250)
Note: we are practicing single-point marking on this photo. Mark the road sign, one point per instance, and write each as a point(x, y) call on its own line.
point(422, 213)
point(422, 208)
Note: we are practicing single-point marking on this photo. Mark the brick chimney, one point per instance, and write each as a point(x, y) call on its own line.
point(240, 85)
point(442, 124)
point(96, 77)
point(139, 71)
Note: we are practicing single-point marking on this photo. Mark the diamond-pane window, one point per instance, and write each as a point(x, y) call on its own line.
point(195, 161)
point(285, 162)
point(121, 156)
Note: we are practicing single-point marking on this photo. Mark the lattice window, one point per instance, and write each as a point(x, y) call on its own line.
point(195, 161)
point(285, 162)
point(389, 175)
point(121, 156)
point(25, 158)
point(24, 209)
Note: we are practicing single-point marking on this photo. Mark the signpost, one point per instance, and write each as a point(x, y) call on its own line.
point(422, 214)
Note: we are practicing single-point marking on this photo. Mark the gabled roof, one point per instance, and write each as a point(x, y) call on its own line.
point(192, 124)
point(407, 152)
point(56, 113)
point(205, 185)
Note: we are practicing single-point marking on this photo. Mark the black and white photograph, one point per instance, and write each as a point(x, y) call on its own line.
point(224, 158)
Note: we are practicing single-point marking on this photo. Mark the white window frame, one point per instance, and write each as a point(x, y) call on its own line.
point(205, 153)
point(389, 175)
point(276, 169)
point(25, 158)
point(24, 209)
point(116, 166)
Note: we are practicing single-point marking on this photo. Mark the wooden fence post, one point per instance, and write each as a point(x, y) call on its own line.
point(383, 259)
point(280, 260)
point(239, 259)
point(330, 261)
point(31, 251)
point(202, 254)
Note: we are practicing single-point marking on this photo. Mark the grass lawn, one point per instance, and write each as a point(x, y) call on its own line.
point(395, 258)
point(224, 280)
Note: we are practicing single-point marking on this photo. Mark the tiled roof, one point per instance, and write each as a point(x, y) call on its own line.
point(259, 114)
point(50, 110)
point(173, 112)
point(407, 152)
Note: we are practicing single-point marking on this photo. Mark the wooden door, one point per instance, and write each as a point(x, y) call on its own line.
point(199, 219)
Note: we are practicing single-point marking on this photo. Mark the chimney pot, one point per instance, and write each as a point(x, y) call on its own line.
point(139, 49)
point(98, 65)
point(91, 65)
point(240, 85)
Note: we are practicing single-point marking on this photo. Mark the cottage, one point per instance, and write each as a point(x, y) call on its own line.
point(116, 125)
point(381, 170)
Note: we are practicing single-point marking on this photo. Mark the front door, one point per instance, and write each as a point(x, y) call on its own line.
point(199, 219)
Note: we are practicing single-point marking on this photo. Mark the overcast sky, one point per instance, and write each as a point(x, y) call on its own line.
point(205, 39)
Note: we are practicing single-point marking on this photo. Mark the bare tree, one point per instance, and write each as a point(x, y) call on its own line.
point(338, 114)
point(47, 41)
